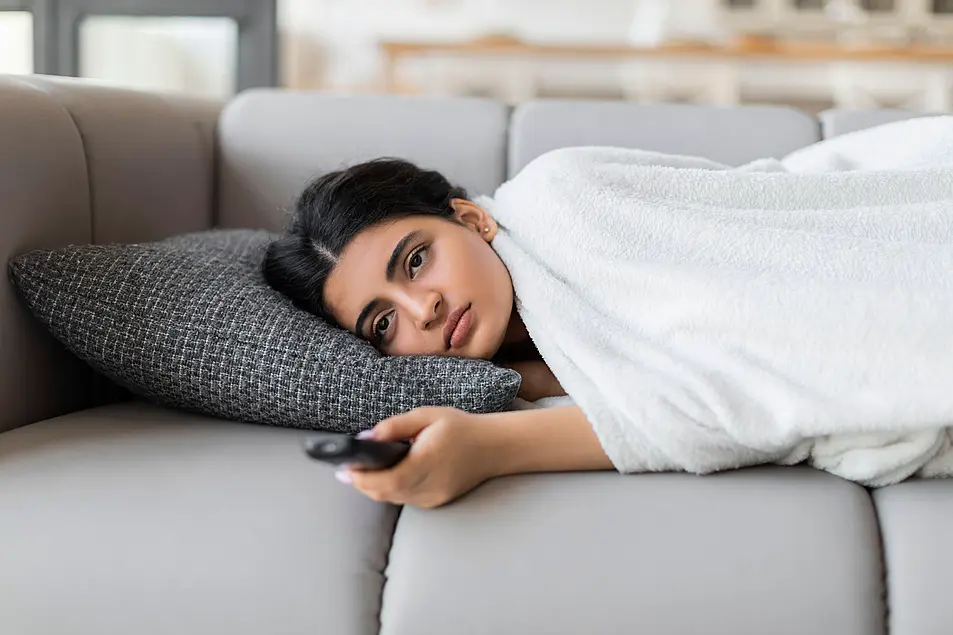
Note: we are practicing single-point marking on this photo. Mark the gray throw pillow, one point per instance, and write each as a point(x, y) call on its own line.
point(190, 323)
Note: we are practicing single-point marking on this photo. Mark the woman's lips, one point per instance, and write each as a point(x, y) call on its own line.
point(462, 329)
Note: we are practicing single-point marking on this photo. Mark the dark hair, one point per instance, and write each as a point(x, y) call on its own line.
point(336, 207)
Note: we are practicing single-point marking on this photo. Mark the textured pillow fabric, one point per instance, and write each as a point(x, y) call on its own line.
point(190, 323)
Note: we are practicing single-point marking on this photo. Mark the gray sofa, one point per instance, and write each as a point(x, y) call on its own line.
point(120, 517)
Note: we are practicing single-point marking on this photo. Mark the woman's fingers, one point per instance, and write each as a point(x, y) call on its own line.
point(404, 426)
point(441, 465)
point(397, 485)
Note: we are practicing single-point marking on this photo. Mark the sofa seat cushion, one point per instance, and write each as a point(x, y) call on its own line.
point(135, 519)
point(916, 520)
point(783, 551)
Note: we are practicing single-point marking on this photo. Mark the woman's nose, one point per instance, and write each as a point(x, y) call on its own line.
point(427, 308)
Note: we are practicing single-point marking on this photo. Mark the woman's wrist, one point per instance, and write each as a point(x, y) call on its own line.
point(540, 440)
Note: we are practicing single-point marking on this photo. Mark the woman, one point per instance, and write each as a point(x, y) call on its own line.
point(703, 317)
point(401, 257)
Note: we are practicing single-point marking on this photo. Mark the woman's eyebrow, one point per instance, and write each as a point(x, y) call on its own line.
point(389, 274)
point(398, 250)
point(359, 325)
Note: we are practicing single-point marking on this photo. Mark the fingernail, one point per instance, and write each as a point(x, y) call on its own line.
point(343, 476)
point(366, 434)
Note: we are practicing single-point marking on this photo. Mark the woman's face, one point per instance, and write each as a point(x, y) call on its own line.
point(423, 285)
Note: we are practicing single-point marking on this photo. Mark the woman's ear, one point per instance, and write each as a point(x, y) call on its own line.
point(474, 217)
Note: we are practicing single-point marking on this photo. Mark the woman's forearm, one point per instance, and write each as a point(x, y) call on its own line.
point(543, 440)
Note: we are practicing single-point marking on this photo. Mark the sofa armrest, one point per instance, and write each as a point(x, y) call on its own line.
point(150, 158)
point(84, 163)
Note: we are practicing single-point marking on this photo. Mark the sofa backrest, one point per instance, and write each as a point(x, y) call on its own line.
point(838, 122)
point(273, 142)
point(733, 136)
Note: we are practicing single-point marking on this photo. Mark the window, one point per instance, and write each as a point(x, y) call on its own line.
point(16, 42)
point(192, 55)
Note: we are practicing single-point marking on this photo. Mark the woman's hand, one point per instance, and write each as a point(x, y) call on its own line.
point(450, 456)
point(538, 381)
point(454, 451)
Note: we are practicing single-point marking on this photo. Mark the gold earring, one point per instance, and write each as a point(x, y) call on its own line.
point(486, 230)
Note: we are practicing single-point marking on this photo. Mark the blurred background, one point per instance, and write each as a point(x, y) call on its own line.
point(813, 54)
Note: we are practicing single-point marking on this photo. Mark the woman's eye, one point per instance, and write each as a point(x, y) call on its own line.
point(380, 329)
point(417, 260)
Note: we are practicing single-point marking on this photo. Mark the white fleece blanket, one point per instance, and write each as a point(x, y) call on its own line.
point(706, 317)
